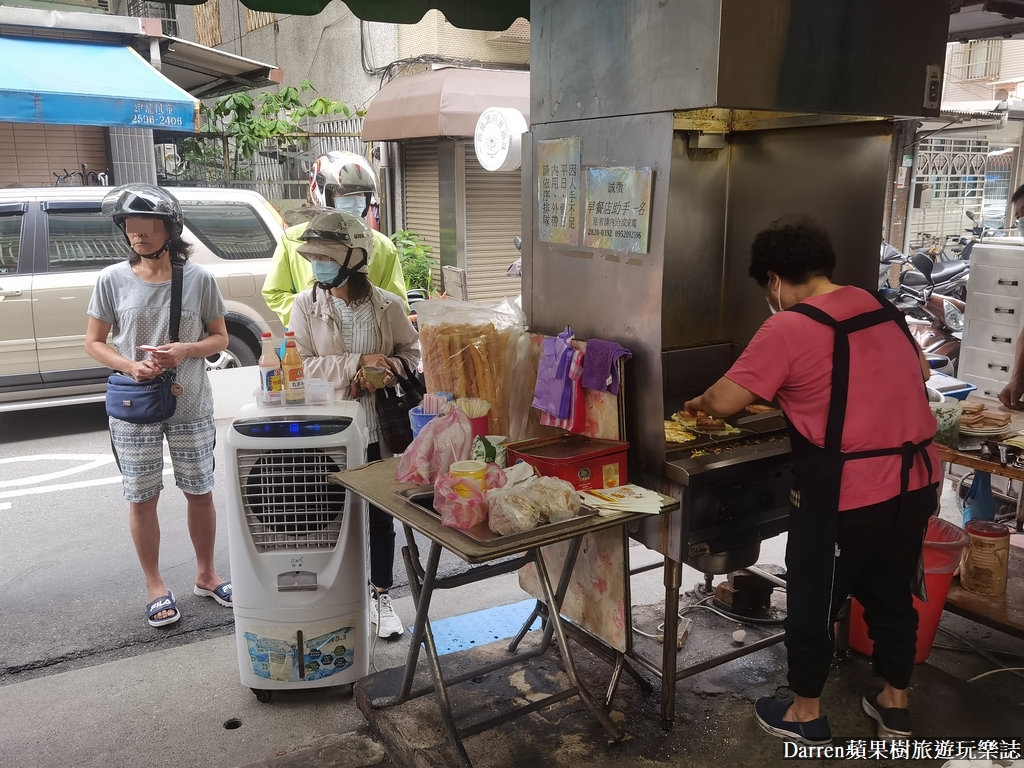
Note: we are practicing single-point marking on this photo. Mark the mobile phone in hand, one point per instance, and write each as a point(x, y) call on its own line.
point(148, 348)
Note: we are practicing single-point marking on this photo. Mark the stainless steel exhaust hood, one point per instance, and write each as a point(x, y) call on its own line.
point(745, 111)
point(629, 57)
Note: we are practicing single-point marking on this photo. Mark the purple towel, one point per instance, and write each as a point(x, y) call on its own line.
point(601, 365)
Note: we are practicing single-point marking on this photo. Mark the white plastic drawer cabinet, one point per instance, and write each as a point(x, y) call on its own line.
point(995, 315)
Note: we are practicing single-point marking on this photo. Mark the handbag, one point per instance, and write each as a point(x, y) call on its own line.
point(153, 400)
point(393, 409)
point(141, 402)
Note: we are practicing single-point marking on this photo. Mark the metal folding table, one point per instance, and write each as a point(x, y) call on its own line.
point(375, 482)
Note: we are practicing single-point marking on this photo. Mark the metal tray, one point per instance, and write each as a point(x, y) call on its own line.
point(422, 496)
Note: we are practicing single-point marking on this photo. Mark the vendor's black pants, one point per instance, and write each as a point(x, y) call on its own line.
point(871, 553)
point(382, 537)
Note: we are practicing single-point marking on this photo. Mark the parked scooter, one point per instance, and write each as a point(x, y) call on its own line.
point(949, 278)
point(961, 248)
point(936, 320)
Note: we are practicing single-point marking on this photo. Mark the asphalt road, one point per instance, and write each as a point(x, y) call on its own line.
point(71, 591)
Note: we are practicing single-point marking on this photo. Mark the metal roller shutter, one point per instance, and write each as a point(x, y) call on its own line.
point(422, 215)
point(494, 217)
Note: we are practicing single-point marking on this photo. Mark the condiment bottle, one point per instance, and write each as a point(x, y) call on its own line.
point(292, 372)
point(270, 372)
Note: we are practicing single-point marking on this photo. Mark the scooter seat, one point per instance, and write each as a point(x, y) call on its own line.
point(941, 272)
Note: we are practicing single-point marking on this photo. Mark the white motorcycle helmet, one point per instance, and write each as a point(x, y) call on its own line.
point(344, 181)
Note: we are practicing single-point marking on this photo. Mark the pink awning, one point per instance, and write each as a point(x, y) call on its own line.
point(442, 102)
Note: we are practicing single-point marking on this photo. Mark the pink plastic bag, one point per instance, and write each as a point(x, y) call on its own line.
point(461, 504)
point(444, 439)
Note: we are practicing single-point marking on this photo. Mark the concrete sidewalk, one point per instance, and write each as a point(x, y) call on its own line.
point(187, 707)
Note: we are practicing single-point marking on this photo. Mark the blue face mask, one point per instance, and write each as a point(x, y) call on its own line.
point(325, 270)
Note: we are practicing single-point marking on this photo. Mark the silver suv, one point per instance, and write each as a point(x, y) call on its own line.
point(54, 240)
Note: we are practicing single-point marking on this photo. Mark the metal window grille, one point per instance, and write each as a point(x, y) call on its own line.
point(287, 499)
point(144, 9)
point(975, 60)
point(276, 172)
point(949, 180)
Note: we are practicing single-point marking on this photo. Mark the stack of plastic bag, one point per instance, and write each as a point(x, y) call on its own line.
point(534, 501)
point(442, 440)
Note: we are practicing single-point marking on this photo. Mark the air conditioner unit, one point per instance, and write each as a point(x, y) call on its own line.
point(168, 160)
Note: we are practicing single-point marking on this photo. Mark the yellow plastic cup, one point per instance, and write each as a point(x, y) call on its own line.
point(471, 471)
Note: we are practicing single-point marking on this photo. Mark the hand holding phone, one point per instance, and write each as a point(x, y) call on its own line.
point(374, 376)
point(148, 348)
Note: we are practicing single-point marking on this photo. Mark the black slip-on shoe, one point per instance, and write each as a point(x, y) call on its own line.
point(769, 713)
point(891, 722)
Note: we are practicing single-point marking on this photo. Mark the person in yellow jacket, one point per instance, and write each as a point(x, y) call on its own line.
point(344, 181)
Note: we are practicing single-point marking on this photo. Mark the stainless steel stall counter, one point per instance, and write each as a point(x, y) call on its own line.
point(376, 483)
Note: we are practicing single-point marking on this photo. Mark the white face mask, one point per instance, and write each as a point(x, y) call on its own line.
point(1020, 226)
point(768, 298)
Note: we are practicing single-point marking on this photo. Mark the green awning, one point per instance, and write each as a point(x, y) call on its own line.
point(494, 15)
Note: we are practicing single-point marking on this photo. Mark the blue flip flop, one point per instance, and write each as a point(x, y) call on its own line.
point(165, 603)
point(221, 593)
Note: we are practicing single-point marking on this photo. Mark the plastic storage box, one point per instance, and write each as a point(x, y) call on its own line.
point(586, 462)
point(950, 387)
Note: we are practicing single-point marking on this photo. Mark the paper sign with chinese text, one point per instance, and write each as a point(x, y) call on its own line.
point(559, 192)
point(617, 212)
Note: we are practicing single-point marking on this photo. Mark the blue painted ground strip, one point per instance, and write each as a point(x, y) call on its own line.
point(459, 633)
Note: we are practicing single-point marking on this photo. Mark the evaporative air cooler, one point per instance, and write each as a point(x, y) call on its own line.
point(297, 547)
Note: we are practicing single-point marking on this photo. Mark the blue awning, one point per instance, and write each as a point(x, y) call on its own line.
point(78, 83)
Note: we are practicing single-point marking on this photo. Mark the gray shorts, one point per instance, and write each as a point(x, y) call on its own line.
point(139, 452)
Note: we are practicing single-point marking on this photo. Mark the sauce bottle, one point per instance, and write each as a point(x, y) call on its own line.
point(270, 372)
point(292, 373)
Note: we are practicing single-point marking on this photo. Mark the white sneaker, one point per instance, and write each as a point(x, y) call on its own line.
point(383, 616)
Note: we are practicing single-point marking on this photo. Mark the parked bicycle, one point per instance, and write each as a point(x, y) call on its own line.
point(86, 177)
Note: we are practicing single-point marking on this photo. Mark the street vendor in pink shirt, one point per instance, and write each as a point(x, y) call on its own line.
point(841, 364)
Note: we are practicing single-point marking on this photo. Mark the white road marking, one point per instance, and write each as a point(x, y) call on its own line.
point(4, 505)
point(89, 462)
point(43, 483)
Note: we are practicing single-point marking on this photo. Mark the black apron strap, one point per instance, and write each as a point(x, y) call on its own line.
point(840, 375)
point(841, 385)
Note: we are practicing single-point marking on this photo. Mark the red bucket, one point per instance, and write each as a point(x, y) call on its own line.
point(942, 545)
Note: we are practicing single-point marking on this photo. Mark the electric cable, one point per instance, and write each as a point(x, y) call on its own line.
point(748, 620)
point(1016, 670)
point(984, 653)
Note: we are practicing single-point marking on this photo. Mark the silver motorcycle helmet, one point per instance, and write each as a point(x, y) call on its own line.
point(144, 201)
point(344, 181)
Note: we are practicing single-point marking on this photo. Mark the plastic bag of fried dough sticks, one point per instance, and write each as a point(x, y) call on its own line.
point(467, 349)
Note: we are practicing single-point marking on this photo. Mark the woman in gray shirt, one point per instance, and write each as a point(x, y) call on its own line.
point(132, 299)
